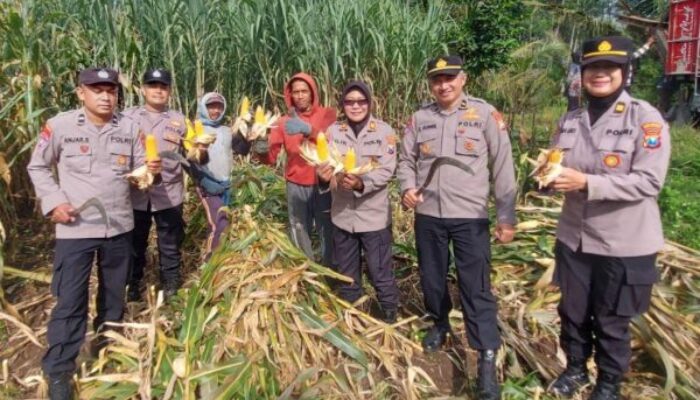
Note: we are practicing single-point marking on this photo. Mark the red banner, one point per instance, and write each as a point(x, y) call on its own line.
point(684, 20)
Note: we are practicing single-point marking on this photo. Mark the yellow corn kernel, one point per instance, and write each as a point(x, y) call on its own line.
point(245, 107)
point(322, 147)
point(198, 127)
point(349, 162)
point(259, 116)
point(151, 148)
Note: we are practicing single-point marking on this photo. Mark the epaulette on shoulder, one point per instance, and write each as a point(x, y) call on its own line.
point(427, 104)
point(476, 100)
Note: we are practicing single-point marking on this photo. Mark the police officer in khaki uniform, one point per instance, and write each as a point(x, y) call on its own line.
point(454, 207)
point(163, 201)
point(617, 151)
point(360, 210)
point(92, 149)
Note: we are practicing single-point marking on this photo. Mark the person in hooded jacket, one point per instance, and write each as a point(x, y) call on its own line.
point(360, 211)
point(212, 175)
point(616, 154)
point(306, 206)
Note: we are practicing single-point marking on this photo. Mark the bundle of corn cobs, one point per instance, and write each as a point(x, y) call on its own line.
point(321, 153)
point(253, 126)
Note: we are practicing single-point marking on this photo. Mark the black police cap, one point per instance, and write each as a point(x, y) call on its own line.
point(445, 65)
point(157, 76)
point(94, 76)
point(616, 49)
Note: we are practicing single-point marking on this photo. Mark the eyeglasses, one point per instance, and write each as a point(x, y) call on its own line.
point(359, 102)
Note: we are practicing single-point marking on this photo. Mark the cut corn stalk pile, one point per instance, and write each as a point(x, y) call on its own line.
point(259, 321)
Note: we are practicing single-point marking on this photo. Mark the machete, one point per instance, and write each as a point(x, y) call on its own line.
point(440, 161)
point(174, 156)
point(96, 203)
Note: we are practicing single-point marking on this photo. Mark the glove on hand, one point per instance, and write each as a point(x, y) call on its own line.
point(295, 126)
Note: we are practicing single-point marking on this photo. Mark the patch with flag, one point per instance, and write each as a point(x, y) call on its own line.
point(45, 136)
point(652, 135)
point(499, 121)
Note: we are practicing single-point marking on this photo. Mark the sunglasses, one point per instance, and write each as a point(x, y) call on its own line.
point(360, 102)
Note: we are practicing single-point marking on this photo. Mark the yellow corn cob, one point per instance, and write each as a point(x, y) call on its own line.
point(259, 116)
point(245, 107)
point(322, 147)
point(189, 137)
point(151, 148)
point(349, 162)
point(198, 127)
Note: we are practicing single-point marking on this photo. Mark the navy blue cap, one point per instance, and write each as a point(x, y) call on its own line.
point(94, 76)
point(157, 75)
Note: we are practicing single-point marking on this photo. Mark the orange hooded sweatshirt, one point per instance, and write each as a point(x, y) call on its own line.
point(320, 118)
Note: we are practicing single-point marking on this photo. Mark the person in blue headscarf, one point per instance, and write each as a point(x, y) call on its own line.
point(212, 173)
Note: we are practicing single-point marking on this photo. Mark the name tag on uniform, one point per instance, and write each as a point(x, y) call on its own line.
point(618, 132)
point(76, 139)
point(120, 139)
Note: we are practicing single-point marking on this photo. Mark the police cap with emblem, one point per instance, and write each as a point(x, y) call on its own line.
point(95, 76)
point(616, 49)
point(445, 65)
point(157, 76)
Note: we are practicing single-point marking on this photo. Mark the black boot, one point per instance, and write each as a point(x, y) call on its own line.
point(133, 294)
point(389, 315)
point(607, 387)
point(435, 338)
point(61, 386)
point(170, 287)
point(574, 377)
point(487, 382)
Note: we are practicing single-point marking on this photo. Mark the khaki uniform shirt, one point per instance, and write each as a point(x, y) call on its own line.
point(368, 210)
point(624, 155)
point(169, 129)
point(473, 133)
point(90, 162)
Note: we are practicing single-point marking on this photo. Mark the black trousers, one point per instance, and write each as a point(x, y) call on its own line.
point(599, 296)
point(471, 247)
point(170, 228)
point(347, 258)
point(71, 277)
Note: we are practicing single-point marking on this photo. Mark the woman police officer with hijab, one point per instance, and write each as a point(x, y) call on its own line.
point(617, 151)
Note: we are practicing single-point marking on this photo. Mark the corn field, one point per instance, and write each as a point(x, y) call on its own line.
point(259, 320)
point(238, 47)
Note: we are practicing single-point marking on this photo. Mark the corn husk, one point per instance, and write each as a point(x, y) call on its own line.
point(547, 167)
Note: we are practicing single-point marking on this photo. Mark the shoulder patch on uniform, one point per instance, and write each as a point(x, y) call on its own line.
point(409, 124)
point(499, 120)
point(391, 144)
point(44, 136)
point(652, 135)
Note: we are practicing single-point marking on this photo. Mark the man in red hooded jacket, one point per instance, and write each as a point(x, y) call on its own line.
point(305, 205)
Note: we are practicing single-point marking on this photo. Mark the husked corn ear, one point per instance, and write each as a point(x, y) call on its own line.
point(349, 161)
point(322, 147)
point(151, 147)
point(245, 107)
